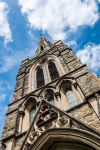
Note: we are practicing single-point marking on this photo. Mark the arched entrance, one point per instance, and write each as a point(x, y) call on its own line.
point(70, 146)
point(67, 139)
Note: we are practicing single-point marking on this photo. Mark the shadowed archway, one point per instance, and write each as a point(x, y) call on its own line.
point(67, 139)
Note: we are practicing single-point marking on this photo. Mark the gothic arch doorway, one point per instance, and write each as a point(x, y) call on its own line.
point(67, 139)
point(70, 146)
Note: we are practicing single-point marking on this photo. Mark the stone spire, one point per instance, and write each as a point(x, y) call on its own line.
point(43, 45)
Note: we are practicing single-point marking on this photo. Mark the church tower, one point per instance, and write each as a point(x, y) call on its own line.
point(56, 103)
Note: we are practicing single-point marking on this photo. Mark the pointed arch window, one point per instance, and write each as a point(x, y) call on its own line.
point(32, 113)
point(71, 97)
point(40, 77)
point(53, 70)
point(29, 107)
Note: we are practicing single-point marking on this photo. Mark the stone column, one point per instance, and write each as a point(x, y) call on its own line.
point(47, 74)
point(22, 113)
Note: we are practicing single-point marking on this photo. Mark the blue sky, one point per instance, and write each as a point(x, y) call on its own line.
point(77, 23)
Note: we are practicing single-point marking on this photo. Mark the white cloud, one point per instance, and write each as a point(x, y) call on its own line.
point(4, 24)
point(9, 61)
point(71, 43)
point(31, 35)
point(90, 55)
point(59, 18)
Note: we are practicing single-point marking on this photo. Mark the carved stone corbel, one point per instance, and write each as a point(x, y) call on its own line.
point(63, 122)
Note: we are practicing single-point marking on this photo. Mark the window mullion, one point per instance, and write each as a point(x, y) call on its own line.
point(47, 75)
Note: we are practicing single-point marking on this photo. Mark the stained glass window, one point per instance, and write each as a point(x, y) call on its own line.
point(40, 78)
point(71, 98)
point(53, 71)
point(32, 113)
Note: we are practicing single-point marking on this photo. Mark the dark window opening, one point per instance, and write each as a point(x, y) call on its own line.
point(40, 78)
point(53, 71)
point(42, 48)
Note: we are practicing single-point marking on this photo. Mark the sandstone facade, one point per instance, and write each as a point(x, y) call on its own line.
point(71, 71)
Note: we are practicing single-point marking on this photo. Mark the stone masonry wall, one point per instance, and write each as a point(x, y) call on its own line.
point(9, 126)
point(87, 82)
point(86, 114)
